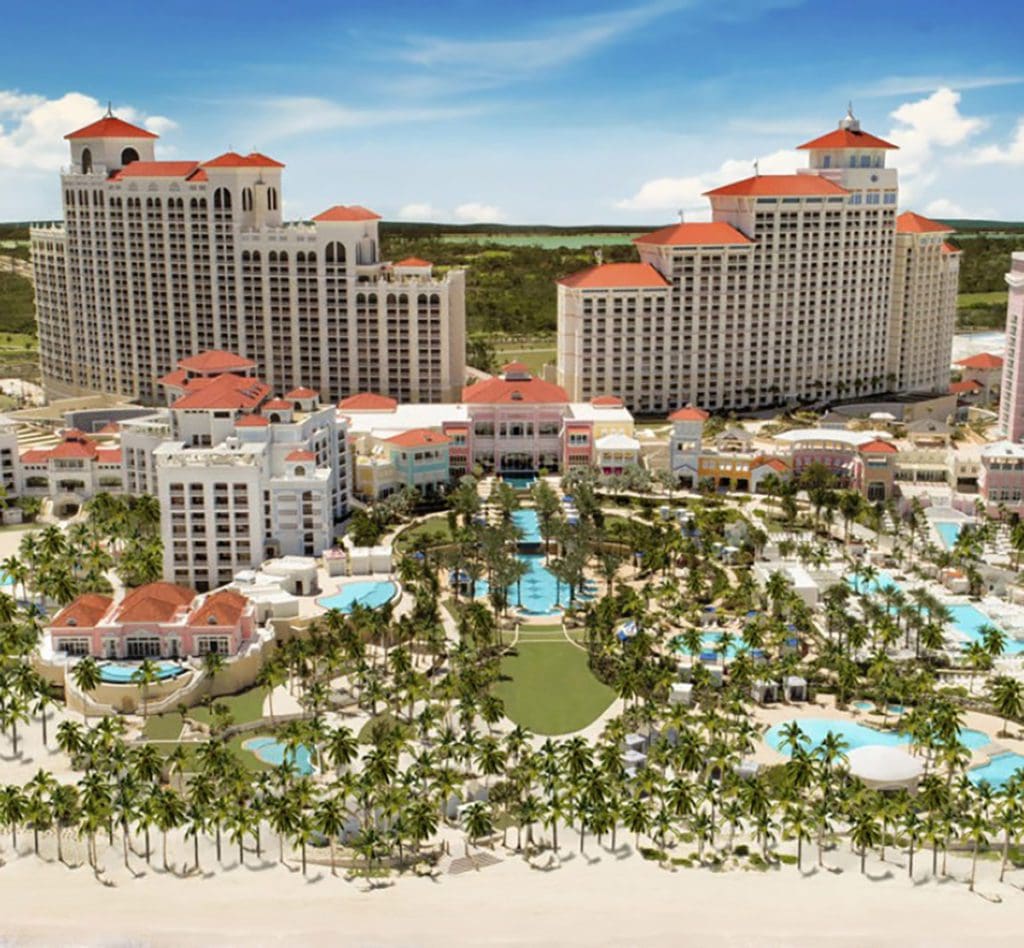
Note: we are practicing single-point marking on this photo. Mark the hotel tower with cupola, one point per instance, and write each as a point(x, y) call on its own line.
point(157, 260)
point(802, 287)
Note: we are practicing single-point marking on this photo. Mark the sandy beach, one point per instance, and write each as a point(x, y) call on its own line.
point(599, 898)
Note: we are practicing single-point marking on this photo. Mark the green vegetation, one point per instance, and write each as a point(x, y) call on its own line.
point(430, 532)
point(548, 688)
point(981, 310)
point(163, 727)
point(534, 358)
point(17, 306)
point(243, 708)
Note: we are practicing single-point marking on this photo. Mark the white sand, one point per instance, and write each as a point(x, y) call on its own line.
point(594, 900)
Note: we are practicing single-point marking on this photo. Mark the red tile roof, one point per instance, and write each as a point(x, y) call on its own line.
point(231, 159)
point(342, 214)
point(109, 455)
point(74, 444)
point(224, 391)
point(175, 379)
point(198, 175)
point(878, 446)
point(689, 413)
point(155, 169)
point(516, 368)
point(35, 456)
point(983, 360)
point(367, 401)
point(606, 401)
point(778, 185)
point(279, 404)
point(419, 438)
point(154, 602)
point(223, 608)
point(84, 612)
point(110, 127)
point(947, 247)
point(776, 464)
point(252, 421)
point(300, 455)
point(955, 388)
point(693, 235)
point(215, 361)
point(110, 428)
point(910, 223)
point(413, 262)
point(297, 393)
point(846, 138)
point(611, 275)
point(500, 391)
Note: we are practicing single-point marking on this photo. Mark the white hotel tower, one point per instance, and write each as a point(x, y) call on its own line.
point(802, 287)
point(158, 260)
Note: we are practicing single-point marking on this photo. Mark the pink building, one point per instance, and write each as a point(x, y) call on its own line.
point(1001, 479)
point(858, 460)
point(159, 620)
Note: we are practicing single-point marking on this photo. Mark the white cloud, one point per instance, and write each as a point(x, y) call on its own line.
point(1011, 154)
point(927, 124)
point(912, 85)
point(686, 193)
point(286, 116)
point(943, 207)
point(422, 211)
point(32, 128)
point(472, 212)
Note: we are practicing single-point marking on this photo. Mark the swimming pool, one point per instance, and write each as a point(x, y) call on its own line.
point(272, 751)
point(998, 770)
point(529, 525)
point(372, 594)
point(969, 620)
point(121, 674)
point(948, 531)
point(538, 592)
point(519, 481)
point(857, 735)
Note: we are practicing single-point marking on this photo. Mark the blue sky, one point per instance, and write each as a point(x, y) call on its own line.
point(530, 112)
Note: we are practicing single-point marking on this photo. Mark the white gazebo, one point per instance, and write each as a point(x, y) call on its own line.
point(885, 768)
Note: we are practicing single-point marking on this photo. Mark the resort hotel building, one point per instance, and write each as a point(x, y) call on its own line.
point(157, 260)
point(802, 288)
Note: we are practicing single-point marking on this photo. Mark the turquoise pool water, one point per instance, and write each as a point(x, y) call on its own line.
point(539, 593)
point(272, 751)
point(864, 705)
point(858, 735)
point(529, 525)
point(369, 593)
point(998, 770)
point(118, 674)
point(948, 530)
point(970, 620)
point(519, 481)
point(965, 618)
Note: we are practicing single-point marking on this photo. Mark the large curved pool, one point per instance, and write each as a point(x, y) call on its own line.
point(272, 751)
point(856, 735)
point(371, 594)
point(118, 673)
point(997, 771)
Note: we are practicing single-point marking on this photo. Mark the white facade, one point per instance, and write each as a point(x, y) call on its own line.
point(1011, 402)
point(156, 260)
point(786, 295)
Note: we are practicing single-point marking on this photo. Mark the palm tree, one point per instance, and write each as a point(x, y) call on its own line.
point(169, 812)
point(864, 830)
point(478, 823)
point(64, 802)
point(329, 818)
point(1007, 699)
point(978, 825)
point(13, 810)
point(85, 673)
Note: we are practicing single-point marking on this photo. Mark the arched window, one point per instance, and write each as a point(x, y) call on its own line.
point(300, 471)
point(86, 161)
point(335, 252)
point(222, 199)
point(271, 199)
point(827, 163)
point(246, 199)
point(129, 155)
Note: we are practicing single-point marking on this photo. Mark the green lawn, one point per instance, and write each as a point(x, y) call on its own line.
point(163, 727)
point(533, 358)
point(967, 300)
point(17, 303)
point(434, 530)
point(248, 759)
point(244, 707)
point(548, 688)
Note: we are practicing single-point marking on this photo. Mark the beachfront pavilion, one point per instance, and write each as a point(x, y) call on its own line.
point(885, 768)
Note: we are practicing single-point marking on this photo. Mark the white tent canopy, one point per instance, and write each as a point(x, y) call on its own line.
point(885, 768)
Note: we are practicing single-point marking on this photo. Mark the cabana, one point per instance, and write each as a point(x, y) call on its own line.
point(885, 768)
point(796, 688)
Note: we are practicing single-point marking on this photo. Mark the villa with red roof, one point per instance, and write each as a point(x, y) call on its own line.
point(308, 304)
point(158, 620)
point(802, 288)
point(985, 370)
point(71, 472)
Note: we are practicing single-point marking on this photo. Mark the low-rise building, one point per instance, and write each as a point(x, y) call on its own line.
point(1001, 482)
point(71, 472)
point(158, 620)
